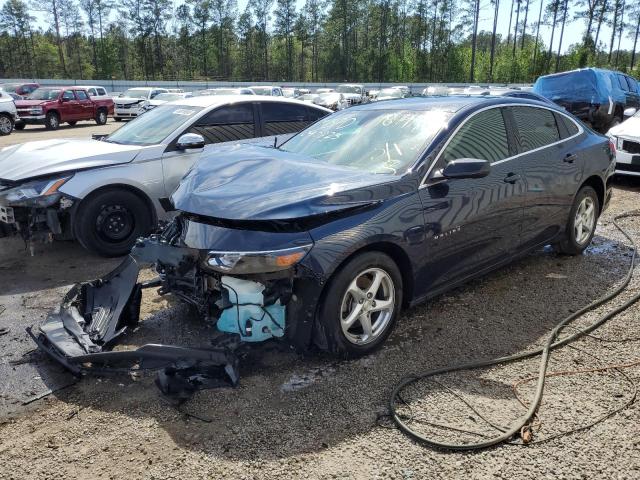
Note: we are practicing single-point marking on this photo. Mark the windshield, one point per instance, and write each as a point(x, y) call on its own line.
point(348, 89)
point(376, 141)
point(169, 97)
point(261, 90)
point(154, 126)
point(43, 94)
point(9, 87)
point(135, 93)
point(390, 92)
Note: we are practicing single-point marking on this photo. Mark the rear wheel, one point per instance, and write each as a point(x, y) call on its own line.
point(582, 222)
point(101, 116)
point(6, 124)
point(362, 304)
point(109, 222)
point(52, 121)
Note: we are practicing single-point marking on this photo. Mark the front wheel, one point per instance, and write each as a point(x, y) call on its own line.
point(52, 121)
point(581, 225)
point(362, 304)
point(6, 124)
point(109, 222)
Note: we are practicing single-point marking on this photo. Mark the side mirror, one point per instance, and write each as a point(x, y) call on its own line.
point(629, 112)
point(467, 168)
point(190, 141)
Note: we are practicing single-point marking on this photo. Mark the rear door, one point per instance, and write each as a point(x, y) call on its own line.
point(472, 224)
point(226, 124)
point(551, 162)
point(70, 109)
point(86, 105)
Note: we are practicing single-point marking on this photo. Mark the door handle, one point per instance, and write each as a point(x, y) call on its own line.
point(512, 178)
point(570, 158)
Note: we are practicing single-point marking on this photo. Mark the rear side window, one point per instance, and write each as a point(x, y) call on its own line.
point(536, 127)
point(633, 85)
point(68, 95)
point(81, 95)
point(102, 91)
point(484, 137)
point(570, 127)
point(623, 82)
point(281, 118)
point(227, 124)
point(92, 92)
point(316, 114)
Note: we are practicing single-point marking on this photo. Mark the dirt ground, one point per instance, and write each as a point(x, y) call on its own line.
point(38, 132)
point(315, 417)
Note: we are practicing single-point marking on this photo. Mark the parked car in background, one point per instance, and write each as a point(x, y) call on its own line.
point(175, 90)
point(626, 137)
point(8, 113)
point(134, 102)
point(353, 93)
point(163, 98)
point(596, 96)
point(324, 240)
point(389, 94)
point(433, 90)
point(226, 91)
point(52, 106)
point(405, 90)
point(308, 97)
point(107, 193)
point(521, 94)
point(95, 91)
point(290, 92)
point(271, 91)
point(332, 100)
point(20, 89)
point(325, 90)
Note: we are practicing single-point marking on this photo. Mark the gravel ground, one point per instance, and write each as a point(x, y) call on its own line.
point(38, 132)
point(314, 417)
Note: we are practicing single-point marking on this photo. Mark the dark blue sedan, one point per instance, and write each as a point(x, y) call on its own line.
point(325, 238)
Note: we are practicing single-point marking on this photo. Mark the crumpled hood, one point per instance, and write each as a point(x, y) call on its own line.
point(128, 100)
point(246, 182)
point(630, 128)
point(48, 157)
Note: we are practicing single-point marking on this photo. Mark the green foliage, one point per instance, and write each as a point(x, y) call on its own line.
point(324, 40)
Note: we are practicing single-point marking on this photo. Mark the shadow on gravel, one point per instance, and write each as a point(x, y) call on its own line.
point(287, 404)
point(629, 183)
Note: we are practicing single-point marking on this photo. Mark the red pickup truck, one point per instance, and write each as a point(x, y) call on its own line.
point(52, 106)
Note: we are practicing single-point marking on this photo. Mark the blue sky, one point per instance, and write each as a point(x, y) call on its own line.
point(573, 31)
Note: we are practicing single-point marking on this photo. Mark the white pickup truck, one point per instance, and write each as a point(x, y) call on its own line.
point(8, 113)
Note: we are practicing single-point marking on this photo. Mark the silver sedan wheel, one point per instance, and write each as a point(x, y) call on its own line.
point(5, 125)
point(367, 306)
point(585, 220)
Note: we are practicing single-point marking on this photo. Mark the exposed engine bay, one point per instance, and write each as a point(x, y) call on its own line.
point(94, 315)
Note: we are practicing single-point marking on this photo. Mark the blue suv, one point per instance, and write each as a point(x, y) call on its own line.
point(596, 96)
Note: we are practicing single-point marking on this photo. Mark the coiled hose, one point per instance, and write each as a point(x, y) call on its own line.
point(551, 344)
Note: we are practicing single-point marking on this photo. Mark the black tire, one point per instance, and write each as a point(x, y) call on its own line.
point(101, 116)
point(52, 121)
point(117, 119)
point(331, 311)
point(570, 245)
point(109, 222)
point(6, 124)
point(20, 126)
point(72, 123)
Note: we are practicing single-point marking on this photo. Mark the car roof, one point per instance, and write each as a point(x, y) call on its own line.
point(88, 86)
point(218, 100)
point(449, 103)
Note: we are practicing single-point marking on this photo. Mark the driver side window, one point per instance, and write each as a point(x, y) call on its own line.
point(68, 95)
point(484, 137)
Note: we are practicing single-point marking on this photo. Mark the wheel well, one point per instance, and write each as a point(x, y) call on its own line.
point(53, 111)
point(597, 184)
point(121, 186)
point(101, 108)
point(399, 256)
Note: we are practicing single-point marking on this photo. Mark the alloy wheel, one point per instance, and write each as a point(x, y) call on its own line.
point(585, 220)
point(367, 306)
point(5, 125)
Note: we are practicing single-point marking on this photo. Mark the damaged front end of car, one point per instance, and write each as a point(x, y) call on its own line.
point(245, 295)
point(36, 210)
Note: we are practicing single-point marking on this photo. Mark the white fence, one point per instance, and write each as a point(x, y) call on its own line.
point(120, 85)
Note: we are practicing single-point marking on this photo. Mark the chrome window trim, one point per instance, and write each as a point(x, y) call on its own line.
point(423, 183)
